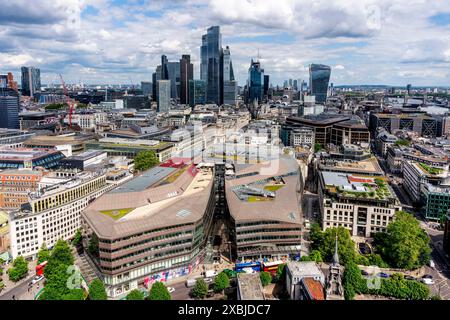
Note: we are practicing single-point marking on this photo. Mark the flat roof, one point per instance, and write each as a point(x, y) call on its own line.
point(250, 287)
point(145, 180)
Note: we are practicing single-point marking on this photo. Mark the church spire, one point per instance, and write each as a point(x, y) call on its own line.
point(336, 255)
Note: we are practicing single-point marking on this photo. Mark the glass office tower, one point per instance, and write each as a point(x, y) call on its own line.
point(229, 83)
point(210, 68)
point(9, 112)
point(319, 77)
point(163, 95)
point(255, 82)
point(197, 92)
point(31, 81)
point(187, 74)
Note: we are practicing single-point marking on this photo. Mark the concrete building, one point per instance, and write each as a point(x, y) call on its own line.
point(12, 138)
point(15, 185)
point(302, 136)
point(153, 228)
point(26, 158)
point(264, 204)
point(383, 141)
point(54, 212)
point(249, 287)
point(362, 204)
point(305, 281)
point(422, 124)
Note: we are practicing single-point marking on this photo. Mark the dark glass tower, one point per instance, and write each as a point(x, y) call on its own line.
point(210, 68)
point(31, 81)
point(9, 112)
point(255, 82)
point(319, 77)
point(187, 73)
point(197, 92)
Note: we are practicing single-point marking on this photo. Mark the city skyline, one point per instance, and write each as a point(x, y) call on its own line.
point(86, 45)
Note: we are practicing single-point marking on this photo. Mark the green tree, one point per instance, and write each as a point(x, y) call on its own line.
point(135, 295)
point(43, 254)
point(145, 160)
point(266, 278)
point(281, 272)
point(200, 289)
point(316, 236)
point(62, 253)
point(97, 290)
point(159, 292)
point(77, 238)
point(405, 245)
point(346, 246)
point(317, 147)
point(19, 269)
point(221, 282)
point(74, 294)
point(93, 245)
point(353, 282)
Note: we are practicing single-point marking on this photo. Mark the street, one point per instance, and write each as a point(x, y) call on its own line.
point(20, 291)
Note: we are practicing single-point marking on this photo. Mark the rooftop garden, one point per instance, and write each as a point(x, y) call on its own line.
point(273, 188)
point(258, 199)
point(117, 213)
point(403, 142)
point(430, 170)
point(377, 190)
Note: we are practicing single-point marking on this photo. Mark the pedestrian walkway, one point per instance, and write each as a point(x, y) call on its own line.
point(88, 271)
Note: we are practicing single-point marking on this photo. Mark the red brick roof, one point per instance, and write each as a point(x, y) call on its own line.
point(314, 288)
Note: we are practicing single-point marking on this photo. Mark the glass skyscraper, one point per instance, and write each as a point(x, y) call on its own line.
point(163, 95)
point(31, 81)
point(187, 74)
point(9, 112)
point(197, 92)
point(229, 83)
point(210, 67)
point(255, 82)
point(319, 77)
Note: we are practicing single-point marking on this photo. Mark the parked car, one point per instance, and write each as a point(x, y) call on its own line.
point(428, 281)
point(171, 289)
point(208, 280)
point(431, 264)
point(383, 275)
point(364, 273)
point(410, 278)
point(36, 279)
point(427, 276)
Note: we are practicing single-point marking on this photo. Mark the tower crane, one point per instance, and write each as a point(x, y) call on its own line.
point(68, 100)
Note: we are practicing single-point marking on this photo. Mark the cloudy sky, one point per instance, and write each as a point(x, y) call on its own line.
point(392, 42)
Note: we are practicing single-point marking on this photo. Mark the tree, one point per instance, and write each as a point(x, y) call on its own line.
point(77, 238)
point(61, 252)
point(159, 292)
point(135, 295)
point(145, 160)
point(43, 254)
point(317, 147)
point(266, 278)
point(316, 236)
point(405, 245)
point(97, 290)
point(221, 282)
point(19, 269)
point(200, 289)
point(93, 245)
point(346, 246)
point(74, 294)
point(281, 272)
point(353, 282)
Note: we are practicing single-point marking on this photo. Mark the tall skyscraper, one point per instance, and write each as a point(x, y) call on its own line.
point(187, 74)
point(197, 92)
point(295, 85)
point(9, 112)
point(266, 85)
point(163, 87)
point(174, 75)
point(229, 84)
point(210, 69)
point(146, 88)
point(31, 81)
point(319, 77)
point(3, 81)
point(255, 82)
point(155, 77)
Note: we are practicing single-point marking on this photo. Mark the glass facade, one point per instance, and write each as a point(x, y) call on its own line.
point(197, 92)
point(319, 78)
point(210, 70)
point(163, 95)
point(9, 112)
point(255, 82)
point(31, 81)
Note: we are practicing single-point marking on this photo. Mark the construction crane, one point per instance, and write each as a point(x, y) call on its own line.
point(68, 100)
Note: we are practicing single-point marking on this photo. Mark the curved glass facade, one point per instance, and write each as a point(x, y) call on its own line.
point(319, 78)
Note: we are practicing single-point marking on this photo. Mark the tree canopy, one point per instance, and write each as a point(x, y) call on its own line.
point(159, 291)
point(97, 290)
point(135, 295)
point(145, 160)
point(43, 254)
point(200, 289)
point(221, 282)
point(405, 245)
point(19, 269)
point(266, 278)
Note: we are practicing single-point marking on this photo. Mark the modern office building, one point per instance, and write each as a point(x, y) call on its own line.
point(255, 82)
point(210, 67)
point(319, 78)
point(53, 212)
point(31, 81)
point(13, 138)
point(264, 204)
point(362, 204)
point(266, 85)
point(9, 112)
point(174, 76)
point(436, 201)
point(186, 75)
point(153, 228)
point(421, 123)
point(229, 85)
point(164, 90)
point(155, 77)
point(446, 241)
point(197, 92)
point(146, 88)
point(19, 158)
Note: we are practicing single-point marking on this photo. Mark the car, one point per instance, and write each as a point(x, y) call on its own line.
point(427, 276)
point(409, 278)
point(383, 275)
point(171, 289)
point(428, 281)
point(364, 273)
point(208, 280)
point(36, 279)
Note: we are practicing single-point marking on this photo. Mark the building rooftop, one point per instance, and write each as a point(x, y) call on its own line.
point(368, 166)
point(315, 288)
point(249, 286)
point(24, 153)
point(145, 180)
point(86, 155)
point(301, 269)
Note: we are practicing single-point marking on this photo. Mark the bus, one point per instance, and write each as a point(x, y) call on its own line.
point(255, 265)
point(40, 268)
point(271, 267)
